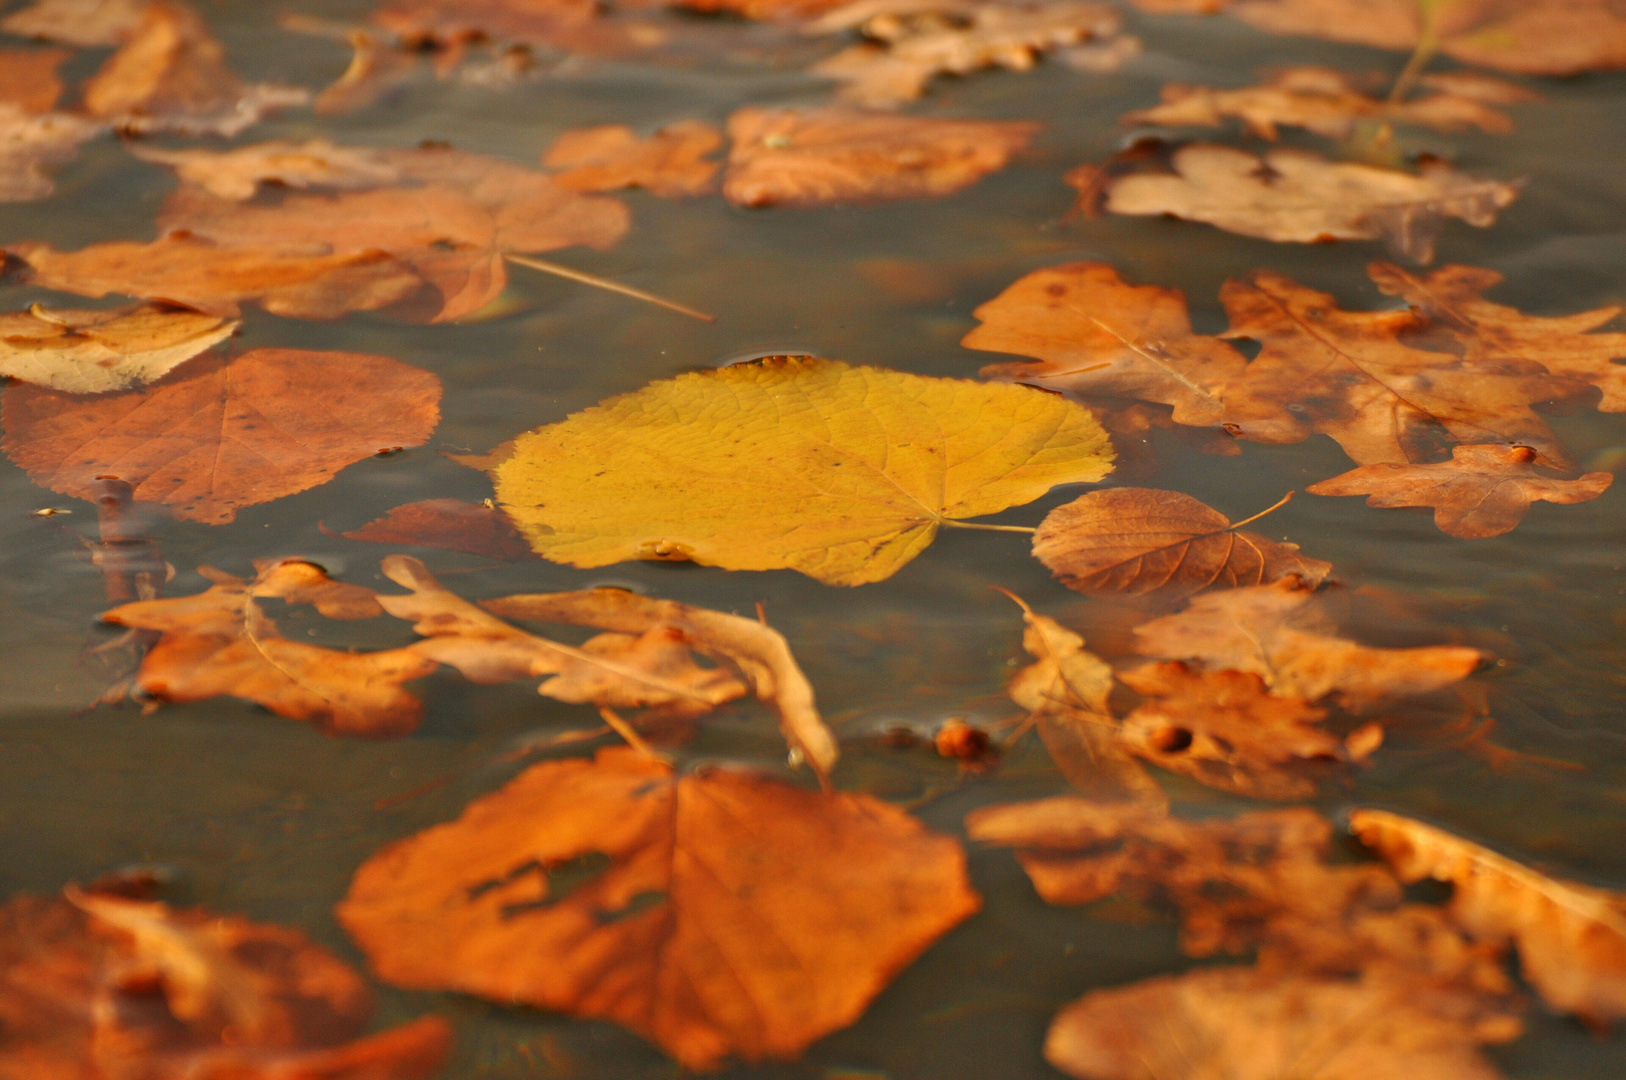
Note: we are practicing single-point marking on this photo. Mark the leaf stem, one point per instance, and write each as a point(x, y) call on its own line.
point(1281, 502)
point(951, 523)
point(1428, 43)
point(624, 729)
point(606, 284)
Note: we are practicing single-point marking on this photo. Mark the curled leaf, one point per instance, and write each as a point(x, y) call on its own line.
point(92, 352)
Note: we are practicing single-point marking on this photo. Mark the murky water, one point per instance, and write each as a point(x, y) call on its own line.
point(268, 817)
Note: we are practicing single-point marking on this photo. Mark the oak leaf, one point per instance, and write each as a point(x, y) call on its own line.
point(1571, 937)
point(854, 469)
point(220, 642)
point(100, 987)
point(671, 162)
point(1327, 102)
point(1482, 491)
point(92, 352)
point(78, 22)
point(1281, 633)
point(1350, 375)
point(238, 174)
point(1095, 334)
point(28, 78)
point(30, 142)
point(1495, 333)
point(224, 433)
point(737, 914)
point(1143, 540)
point(450, 524)
point(790, 157)
point(1294, 196)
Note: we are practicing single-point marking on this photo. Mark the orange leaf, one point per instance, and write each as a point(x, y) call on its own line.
point(671, 162)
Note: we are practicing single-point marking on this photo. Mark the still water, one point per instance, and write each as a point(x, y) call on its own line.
point(269, 818)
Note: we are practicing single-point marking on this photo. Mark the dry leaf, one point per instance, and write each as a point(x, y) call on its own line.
point(91, 352)
point(921, 40)
point(1326, 102)
point(98, 987)
point(783, 156)
point(1280, 633)
point(843, 473)
point(222, 434)
point(78, 22)
point(1237, 1023)
point(1571, 937)
point(237, 174)
point(214, 279)
point(1496, 334)
point(1142, 540)
point(450, 524)
point(1482, 491)
point(453, 24)
point(171, 75)
point(28, 143)
point(1349, 374)
point(1294, 196)
point(28, 78)
point(672, 162)
point(783, 10)
point(757, 650)
point(1222, 729)
point(220, 642)
point(737, 914)
point(1095, 334)
point(376, 70)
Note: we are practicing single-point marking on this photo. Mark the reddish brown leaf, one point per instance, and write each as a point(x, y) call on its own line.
point(97, 987)
point(671, 162)
point(1482, 491)
point(767, 9)
point(457, 22)
point(824, 156)
point(1094, 334)
point(224, 433)
point(447, 523)
point(28, 78)
point(1142, 540)
point(738, 915)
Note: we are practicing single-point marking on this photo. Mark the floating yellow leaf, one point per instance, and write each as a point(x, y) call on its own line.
point(844, 473)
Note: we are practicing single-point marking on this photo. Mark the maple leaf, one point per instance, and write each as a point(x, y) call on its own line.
point(1571, 937)
point(30, 142)
point(1095, 334)
point(1494, 333)
point(671, 162)
point(1482, 491)
point(1143, 540)
point(28, 78)
point(1351, 376)
point(450, 524)
point(1328, 103)
point(1294, 196)
point(223, 433)
point(791, 157)
point(78, 22)
point(171, 75)
point(737, 915)
point(220, 642)
point(843, 473)
point(238, 174)
point(98, 985)
point(91, 352)
point(1280, 633)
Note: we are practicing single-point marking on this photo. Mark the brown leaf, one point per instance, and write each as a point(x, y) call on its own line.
point(1571, 937)
point(184, 270)
point(737, 914)
point(1326, 102)
point(376, 69)
point(1094, 334)
point(100, 987)
point(1280, 633)
point(224, 433)
point(1494, 333)
point(91, 352)
point(1294, 196)
point(28, 78)
point(783, 156)
point(756, 649)
point(171, 75)
point(220, 643)
point(236, 175)
point(78, 22)
point(1482, 491)
point(783, 10)
point(450, 524)
point(671, 162)
point(1243, 1024)
point(1222, 729)
point(1349, 374)
point(454, 23)
point(28, 143)
point(1143, 540)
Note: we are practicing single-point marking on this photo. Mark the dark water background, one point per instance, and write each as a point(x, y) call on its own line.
point(269, 818)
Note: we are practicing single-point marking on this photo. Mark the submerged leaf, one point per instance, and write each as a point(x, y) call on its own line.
point(224, 433)
point(91, 352)
point(28, 143)
point(671, 162)
point(737, 915)
point(450, 524)
point(28, 78)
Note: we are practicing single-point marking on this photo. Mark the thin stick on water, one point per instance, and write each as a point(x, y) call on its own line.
point(606, 284)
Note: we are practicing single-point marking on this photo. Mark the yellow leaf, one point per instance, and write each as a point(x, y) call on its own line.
point(844, 473)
